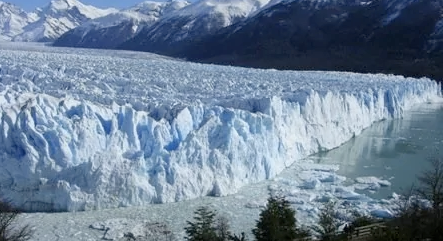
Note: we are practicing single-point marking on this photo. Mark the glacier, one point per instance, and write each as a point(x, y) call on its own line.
point(88, 129)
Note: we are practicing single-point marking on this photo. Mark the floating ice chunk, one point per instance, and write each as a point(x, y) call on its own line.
point(311, 184)
point(370, 183)
point(310, 165)
point(348, 194)
point(334, 178)
point(254, 204)
point(118, 228)
point(286, 182)
point(327, 197)
point(367, 186)
point(321, 172)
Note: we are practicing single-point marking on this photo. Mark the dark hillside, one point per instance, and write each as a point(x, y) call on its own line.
point(339, 35)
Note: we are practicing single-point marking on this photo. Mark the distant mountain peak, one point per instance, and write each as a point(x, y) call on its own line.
point(64, 4)
point(8, 5)
point(12, 20)
point(113, 29)
point(157, 8)
point(87, 10)
point(195, 21)
point(58, 17)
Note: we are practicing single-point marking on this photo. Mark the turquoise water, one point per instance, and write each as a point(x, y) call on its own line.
point(395, 150)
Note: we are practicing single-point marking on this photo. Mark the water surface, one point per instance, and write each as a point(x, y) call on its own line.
point(395, 150)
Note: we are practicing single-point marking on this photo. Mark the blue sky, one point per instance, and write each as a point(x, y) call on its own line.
point(32, 4)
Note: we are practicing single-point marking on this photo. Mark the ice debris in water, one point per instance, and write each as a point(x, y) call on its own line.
point(370, 183)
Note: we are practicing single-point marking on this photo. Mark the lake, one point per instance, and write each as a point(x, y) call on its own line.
point(394, 150)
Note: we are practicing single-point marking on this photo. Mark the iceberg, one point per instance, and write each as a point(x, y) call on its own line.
point(370, 183)
point(89, 129)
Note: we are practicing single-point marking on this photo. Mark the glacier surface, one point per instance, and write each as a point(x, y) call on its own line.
point(86, 129)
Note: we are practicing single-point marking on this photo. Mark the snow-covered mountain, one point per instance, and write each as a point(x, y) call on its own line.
point(403, 37)
point(175, 26)
point(13, 20)
point(88, 129)
point(113, 29)
point(58, 17)
point(283, 27)
point(195, 21)
point(156, 10)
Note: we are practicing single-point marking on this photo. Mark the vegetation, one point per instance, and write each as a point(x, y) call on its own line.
point(277, 222)
point(328, 225)
point(222, 229)
point(203, 228)
point(9, 230)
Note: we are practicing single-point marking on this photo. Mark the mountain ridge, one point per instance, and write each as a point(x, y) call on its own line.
point(12, 20)
point(47, 23)
point(354, 36)
point(114, 29)
point(174, 30)
point(390, 36)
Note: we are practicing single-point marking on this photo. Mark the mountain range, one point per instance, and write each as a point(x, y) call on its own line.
point(48, 23)
point(391, 36)
point(13, 20)
point(112, 30)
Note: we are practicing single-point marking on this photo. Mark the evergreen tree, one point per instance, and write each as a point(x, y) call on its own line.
point(277, 222)
point(328, 224)
point(222, 229)
point(202, 229)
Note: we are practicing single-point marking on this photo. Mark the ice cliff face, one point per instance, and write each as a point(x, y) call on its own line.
point(87, 130)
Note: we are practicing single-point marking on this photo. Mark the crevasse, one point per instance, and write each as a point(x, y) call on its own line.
point(66, 152)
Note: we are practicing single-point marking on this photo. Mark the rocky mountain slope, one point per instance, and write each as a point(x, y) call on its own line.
point(198, 20)
point(173, 28)
point(45, 24)
point(403, 37)
point(114, 29)
point(59, 17)
point(13, 20)
point(391, 36)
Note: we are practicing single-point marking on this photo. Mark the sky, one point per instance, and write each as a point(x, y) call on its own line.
point(30, 5)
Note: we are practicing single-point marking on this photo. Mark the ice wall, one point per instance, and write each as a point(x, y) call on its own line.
point(69, 149)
